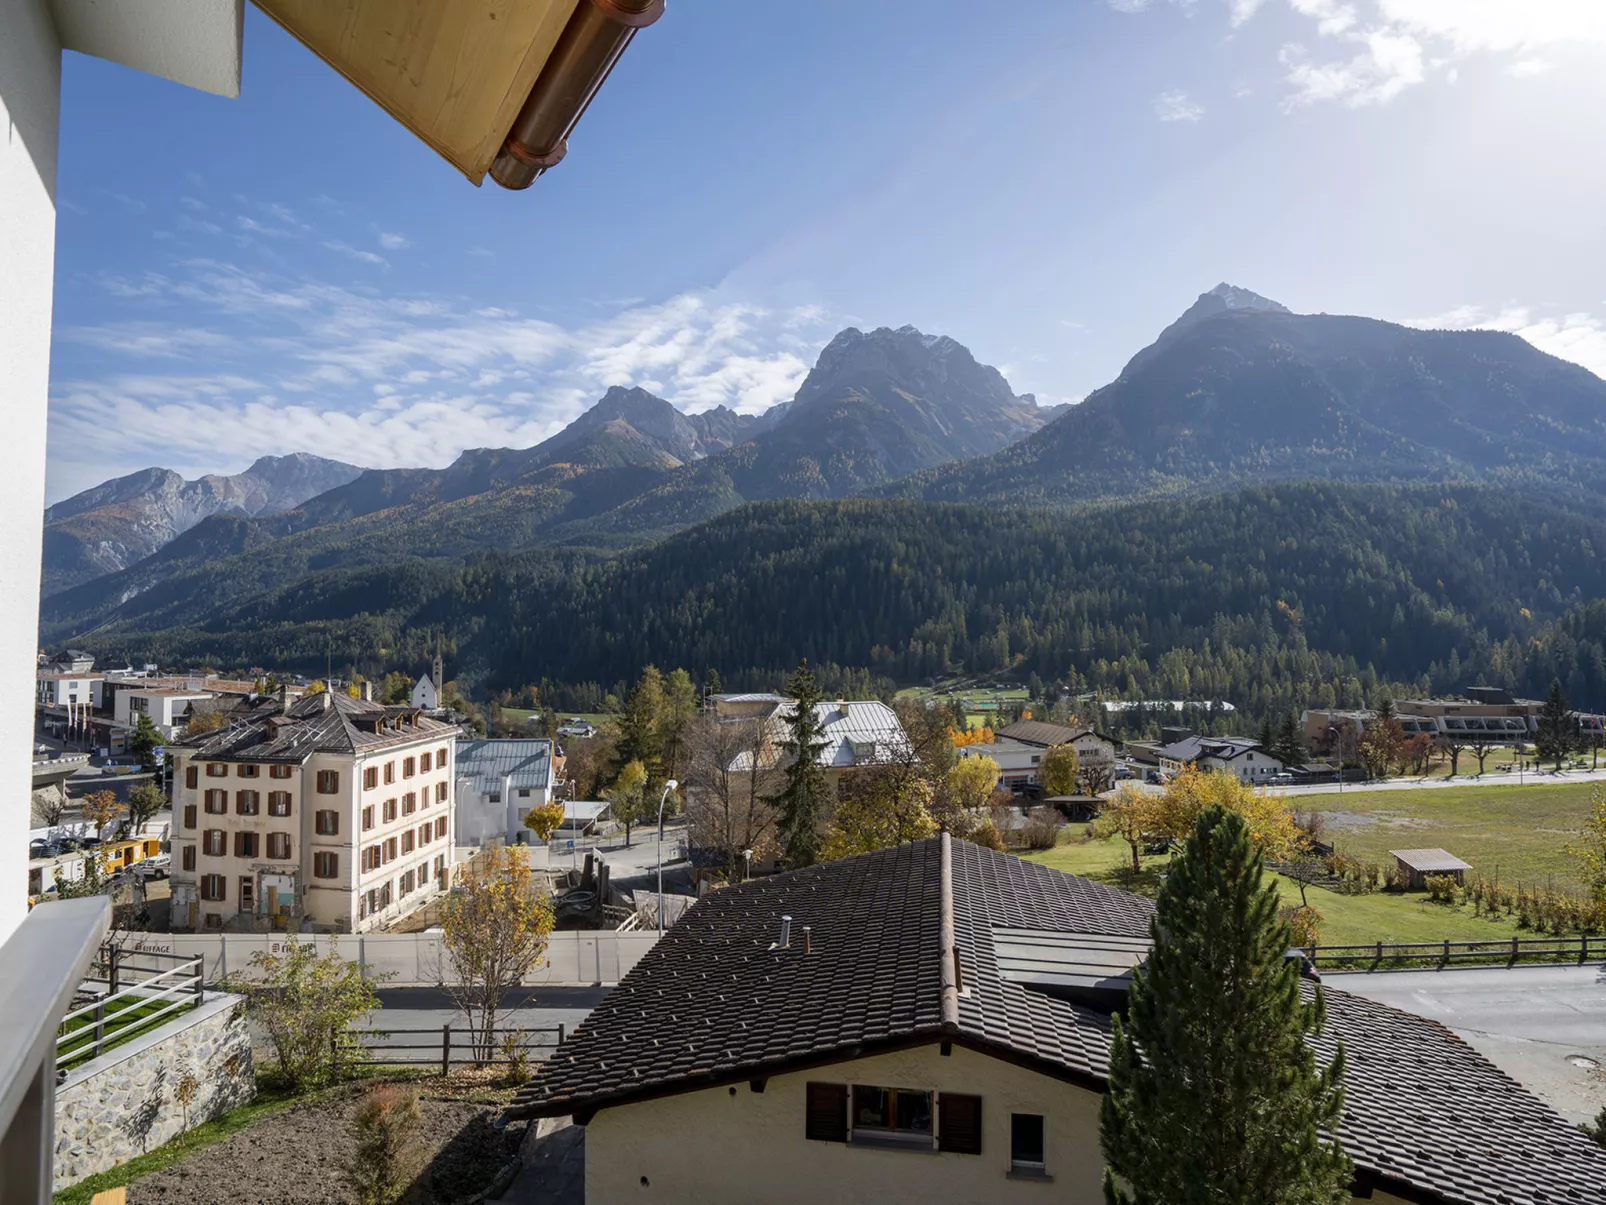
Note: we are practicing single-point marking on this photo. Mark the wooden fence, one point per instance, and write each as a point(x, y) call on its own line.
point(1444, 953)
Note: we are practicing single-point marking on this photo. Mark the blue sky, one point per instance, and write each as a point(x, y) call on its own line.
point(1049, 181)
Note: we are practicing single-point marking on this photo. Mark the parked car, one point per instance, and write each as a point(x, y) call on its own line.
point(1307, 968)
point(1282, 780)
point(154, 868)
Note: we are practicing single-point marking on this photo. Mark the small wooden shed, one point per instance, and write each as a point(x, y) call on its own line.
point(1418, 864)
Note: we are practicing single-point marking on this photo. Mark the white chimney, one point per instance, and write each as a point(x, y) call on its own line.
point(786, 933)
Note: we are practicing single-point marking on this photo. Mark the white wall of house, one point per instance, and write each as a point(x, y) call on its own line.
point(1017, 763)
point(30, 92)
point(196, 42)
point(713, 1145)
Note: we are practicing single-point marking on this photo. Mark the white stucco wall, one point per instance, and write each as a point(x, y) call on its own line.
point(714, 1146)
point(30, 87)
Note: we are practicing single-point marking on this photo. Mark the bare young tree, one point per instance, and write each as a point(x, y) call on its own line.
point(49, 805)
point(729, 784)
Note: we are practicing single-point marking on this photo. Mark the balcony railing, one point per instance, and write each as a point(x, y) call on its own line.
point(42, 967)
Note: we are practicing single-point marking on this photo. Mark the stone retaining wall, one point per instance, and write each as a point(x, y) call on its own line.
point(123, 1103)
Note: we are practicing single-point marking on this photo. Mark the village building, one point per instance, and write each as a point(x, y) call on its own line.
point(498, 783)
point(1246, 759)
point(330, 814)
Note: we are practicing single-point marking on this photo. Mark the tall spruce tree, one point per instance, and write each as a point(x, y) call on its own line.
point(641, 725)
point(1557, 731)
point(1289, 745)
point(1215, 1096)
point(804, 797)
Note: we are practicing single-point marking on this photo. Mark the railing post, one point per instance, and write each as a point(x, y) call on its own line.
point(1513, 961)
point(560, 1034)
point(114, 957)
point(1583, 948)
point(1380, 952)
point(198, 969)
point(100, 1025)
point(1446, 961)
point(446, 1048)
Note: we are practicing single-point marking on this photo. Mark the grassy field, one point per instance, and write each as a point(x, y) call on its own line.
point(1346, 919)
point(1515, 833)
point(128, 1023)
point(523, 714)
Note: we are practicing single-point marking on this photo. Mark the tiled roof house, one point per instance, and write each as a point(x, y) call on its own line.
point(900, 1046)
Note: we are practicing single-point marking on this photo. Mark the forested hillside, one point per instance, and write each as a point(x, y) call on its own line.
point(1272, 596)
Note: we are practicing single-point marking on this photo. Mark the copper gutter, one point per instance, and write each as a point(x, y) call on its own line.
point(586, 51)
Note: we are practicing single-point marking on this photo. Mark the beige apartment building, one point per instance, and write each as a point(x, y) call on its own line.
point(329, 814)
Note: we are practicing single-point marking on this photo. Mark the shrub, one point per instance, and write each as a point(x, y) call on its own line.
point(383, 1151)
point(1042, 829)
point(987, 836)
point(1441, 888)
point(517, 1057)
point(1304, 924)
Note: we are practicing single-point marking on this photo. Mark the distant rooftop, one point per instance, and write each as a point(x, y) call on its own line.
point(522, 763)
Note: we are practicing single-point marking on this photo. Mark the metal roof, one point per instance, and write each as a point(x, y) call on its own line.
point(1430, 859)
point(583, 811)
point(524, 763)
point(1049, 958)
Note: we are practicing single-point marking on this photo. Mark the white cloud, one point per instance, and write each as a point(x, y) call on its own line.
point(1398, 44)
point(1129, 6)
point(1177, 106)
point(394, 242)
point(1578, 337)
point(262, 363)
point(1242, 10)
point(367, 257)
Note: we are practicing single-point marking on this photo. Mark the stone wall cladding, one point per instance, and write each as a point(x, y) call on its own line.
point(122, 1104)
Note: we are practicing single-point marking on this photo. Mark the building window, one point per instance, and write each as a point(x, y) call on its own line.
point(406, 885)
point(279, 771)
point(423, 763)
point(247, 893)
point(327, 824)
point(390, 810)
point(496, 796)
point(189, 817)
point(368, 818)
point(279, 847)
point(216, 769)
point(440, 870)
point(1026, 1143)
point(407, 842)
point(214, 842)
point(409, 803)
point(370, 778)
point(187, 857)
point(899, 1114)
point(524, 793)
point(390, 772)
point(247, 771)
point(325, 865)
point(247, 803)
point(423, 874)
point(390, 849)
point(425, 832)
point(440, 758)
point(278, 803)
point(959, 1123)
point(191, 775)
point(409, 767)
point(440, 828)
point(328, 782)
point(246, 845)
point(214, 887)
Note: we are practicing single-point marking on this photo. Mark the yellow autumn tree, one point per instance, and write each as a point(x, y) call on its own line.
point(876, 810)
point(1131, 814)
point(971, 781)
point(543, 821)
point(1059, 770)
point(1590, 848)
point(494, 932)
point(1192, 792)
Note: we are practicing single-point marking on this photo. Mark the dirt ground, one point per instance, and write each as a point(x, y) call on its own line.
point(297, 1157)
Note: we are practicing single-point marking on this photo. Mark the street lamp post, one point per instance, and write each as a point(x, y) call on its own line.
point(748, 854)
point(668, 787)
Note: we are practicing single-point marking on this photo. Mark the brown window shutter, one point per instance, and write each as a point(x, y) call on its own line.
point(190, 777)
point(827, 1113)
point(959, 1124)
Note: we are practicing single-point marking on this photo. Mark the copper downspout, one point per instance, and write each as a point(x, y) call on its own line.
point(586, 51)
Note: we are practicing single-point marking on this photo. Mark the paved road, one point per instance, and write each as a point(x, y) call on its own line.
point(1491, 779)
point(1543, 1026)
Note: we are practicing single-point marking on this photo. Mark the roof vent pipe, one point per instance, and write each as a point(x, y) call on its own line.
point(786, 933)
point(807, 948)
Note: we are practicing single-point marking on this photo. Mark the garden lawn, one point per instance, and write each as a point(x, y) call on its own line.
point(128, 1022)
point(1515, 833)
point(1346, 919)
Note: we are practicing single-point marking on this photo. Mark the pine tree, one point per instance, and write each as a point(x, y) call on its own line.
point(805, 795)
point(1289, 746)
point(641, 725)
point(711, 683)
point(1557, 731)
point(1215, 1096)
point(1265, 739)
